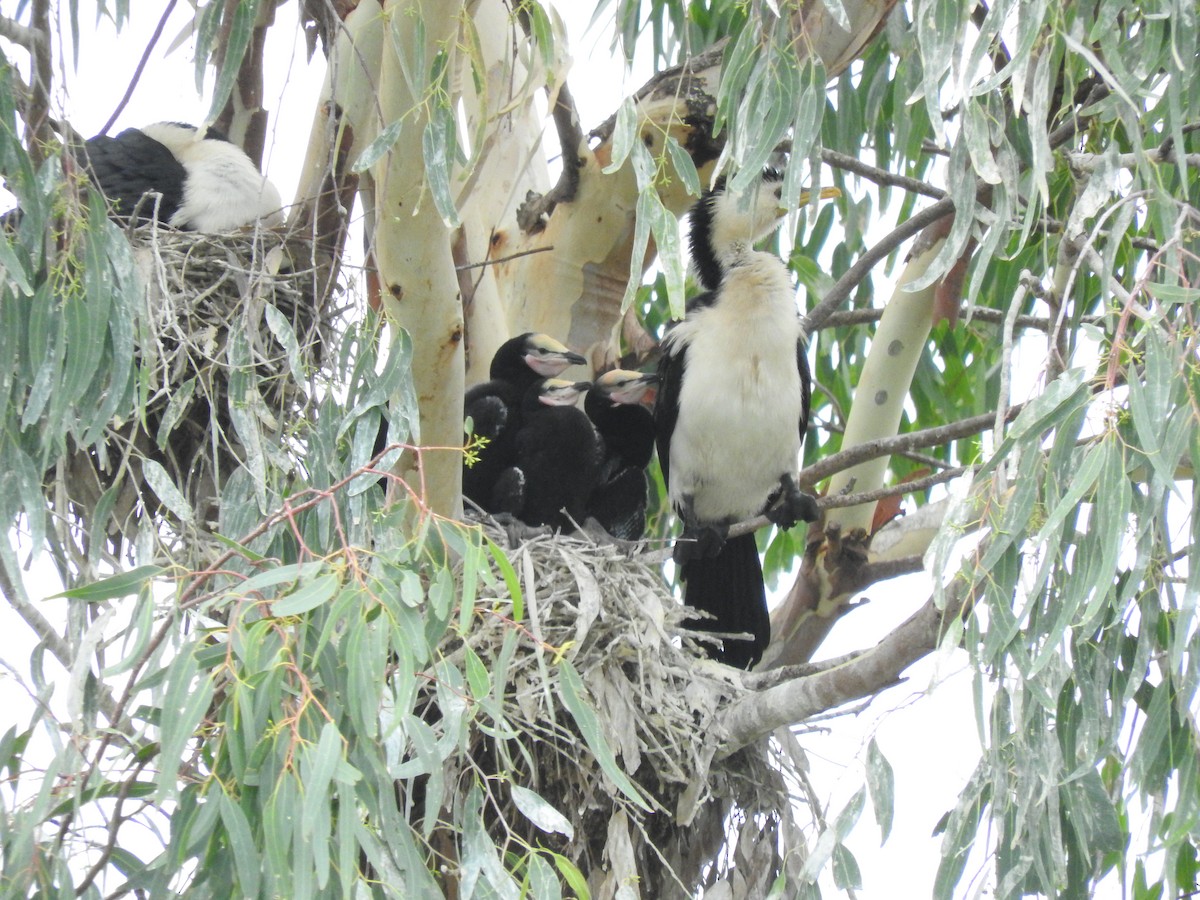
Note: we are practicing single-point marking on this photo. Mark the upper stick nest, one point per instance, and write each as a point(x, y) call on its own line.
point(228, 328)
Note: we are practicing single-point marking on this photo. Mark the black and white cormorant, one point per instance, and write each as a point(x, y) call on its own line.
point(205, 182)
point(614, 404)
point(494, 408)
point(731, 413)
point(558, 455)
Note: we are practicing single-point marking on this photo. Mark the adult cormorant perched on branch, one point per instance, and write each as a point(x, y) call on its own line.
point(732, 411)
point(614, 404)
point(204, 182)
point(494, 408)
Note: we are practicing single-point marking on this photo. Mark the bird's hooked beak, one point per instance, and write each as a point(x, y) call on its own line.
point(548, 357)
point(560, 392)
point(826, 193)
point(626, 386)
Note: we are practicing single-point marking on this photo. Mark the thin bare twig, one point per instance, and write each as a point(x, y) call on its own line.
point(850, 317)
point(925, 437)
point(904, 487)
point(141, 67)
point(879, 176)
point(502, 259)
point(838, 294)
point(114, 827)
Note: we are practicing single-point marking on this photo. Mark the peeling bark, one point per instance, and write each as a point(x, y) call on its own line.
point(816, 27)
point(243, 120)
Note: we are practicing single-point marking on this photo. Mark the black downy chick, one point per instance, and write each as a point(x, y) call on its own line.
point(558, 455)
point(731, 413)
point(614, 404)
point(494, 408)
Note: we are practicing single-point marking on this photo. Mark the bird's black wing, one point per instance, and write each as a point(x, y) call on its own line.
point(559, 452)
point(805, 387)
point(131, 164)
point(666, 406)
point(495, 413)
point(619, 504)
point(670, 380)
point(633, 436)
point(701, 301)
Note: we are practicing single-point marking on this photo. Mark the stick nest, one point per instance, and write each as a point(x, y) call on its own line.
point(229, 327)
point(657, 702)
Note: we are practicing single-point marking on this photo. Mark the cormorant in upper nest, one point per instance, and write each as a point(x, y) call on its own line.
point(494, 408)
point(206, 183)
point(613, 404)
point(558, 455)
point(732, 411)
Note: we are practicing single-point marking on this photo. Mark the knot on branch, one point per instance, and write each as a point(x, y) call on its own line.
point(534, 212)
point(843, 558)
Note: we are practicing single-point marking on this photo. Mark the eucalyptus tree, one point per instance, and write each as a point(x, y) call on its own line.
point(365, 692)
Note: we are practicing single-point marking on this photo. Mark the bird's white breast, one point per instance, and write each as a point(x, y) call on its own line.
point(740, 399)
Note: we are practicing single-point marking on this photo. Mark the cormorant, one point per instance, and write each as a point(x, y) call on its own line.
point(494, 408)
point(558, 455)
point(732, 411)
point(614, 404)
point(206, 182)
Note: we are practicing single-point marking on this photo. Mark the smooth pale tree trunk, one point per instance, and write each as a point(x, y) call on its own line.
point(816, 600)
point(412, 251)
point(502, 114)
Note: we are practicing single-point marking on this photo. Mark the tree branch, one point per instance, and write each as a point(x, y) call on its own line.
point(36, 110)
point(21, 35)
point(14, 593)
point(925, 437)
point(841, 501)
point(856, 273)
point(757, 715)
point(533, 213)
point(879, 176)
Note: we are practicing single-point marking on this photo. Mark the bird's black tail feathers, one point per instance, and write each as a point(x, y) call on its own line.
point(729, 586)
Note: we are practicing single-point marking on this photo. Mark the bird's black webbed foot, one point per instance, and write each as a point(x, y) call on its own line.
point(699, 542)
point(516, 531)
point(789, 505)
